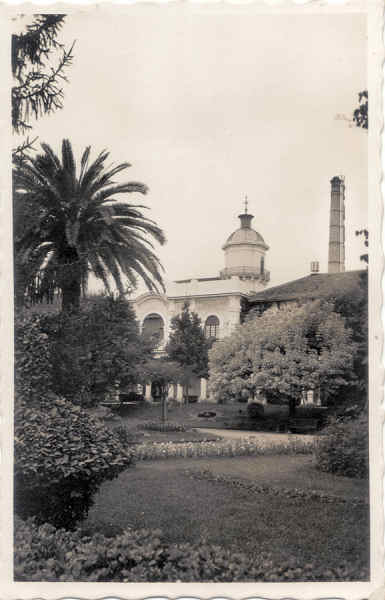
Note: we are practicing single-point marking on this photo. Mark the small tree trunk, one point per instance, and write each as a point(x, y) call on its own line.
point(164, 407)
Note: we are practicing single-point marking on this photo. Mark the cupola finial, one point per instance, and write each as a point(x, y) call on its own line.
point(246, 203)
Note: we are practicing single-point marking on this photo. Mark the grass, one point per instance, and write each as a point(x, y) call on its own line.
point(135, 415)
point(163, 495)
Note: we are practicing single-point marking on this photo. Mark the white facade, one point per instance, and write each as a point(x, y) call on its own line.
point(215, 299)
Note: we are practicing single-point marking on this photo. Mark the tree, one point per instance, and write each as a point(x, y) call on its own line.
point(353, 307)
point(163, 373)
point(38, 86)
point(93, 348)
point(284, 352)
point(360, 115)
point(77, 225)
point(365, 233)
point(188, 346)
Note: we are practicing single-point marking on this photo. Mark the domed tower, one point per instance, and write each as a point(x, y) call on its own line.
point(245, 251)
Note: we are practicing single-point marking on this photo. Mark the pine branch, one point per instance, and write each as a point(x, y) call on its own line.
point(38, 41)
point(19, 154)
point(39, 94)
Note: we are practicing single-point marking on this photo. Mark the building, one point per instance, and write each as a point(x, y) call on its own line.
point(223, 300)
point(306, 289)
point(217, 300)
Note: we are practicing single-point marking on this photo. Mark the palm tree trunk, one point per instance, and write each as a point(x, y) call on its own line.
point(70, 280)
point(71, 296)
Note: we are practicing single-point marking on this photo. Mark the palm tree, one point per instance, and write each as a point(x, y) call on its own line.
point(68, 225)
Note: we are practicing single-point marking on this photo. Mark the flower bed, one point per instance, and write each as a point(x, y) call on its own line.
point(242, 447)
point(264, 489)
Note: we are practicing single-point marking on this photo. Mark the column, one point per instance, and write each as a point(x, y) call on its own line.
point(179, 393)
point(203, 390)
point(147, 395)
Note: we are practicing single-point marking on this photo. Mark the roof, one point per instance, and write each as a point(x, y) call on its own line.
point(317, 285)
point(245, 235)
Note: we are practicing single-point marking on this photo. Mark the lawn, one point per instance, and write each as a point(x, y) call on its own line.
point(164, 495)
point(134, 415)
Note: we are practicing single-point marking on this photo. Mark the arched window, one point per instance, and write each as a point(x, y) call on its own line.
point(262, 264)
point(212, 327)
point(153, 328)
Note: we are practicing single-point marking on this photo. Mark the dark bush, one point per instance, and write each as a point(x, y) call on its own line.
point(61, 457)
point(343, 448)
point(255, 410)
point(33, 365)
point(43, 553)
point(88, 351)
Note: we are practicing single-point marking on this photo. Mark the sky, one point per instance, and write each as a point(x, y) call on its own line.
point(208, 107)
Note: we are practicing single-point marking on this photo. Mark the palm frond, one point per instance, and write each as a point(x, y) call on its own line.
point(68, 160)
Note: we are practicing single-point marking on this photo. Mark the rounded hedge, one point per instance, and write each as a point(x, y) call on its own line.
point(343, 448)
point(62, 455)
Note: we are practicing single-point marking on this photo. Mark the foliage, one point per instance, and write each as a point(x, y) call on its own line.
point(188, 345)
point(360, 115)
point(365, 233)
point(43, 553)
point(241, 447)
point(95, 347)
point(162, 372)
point(33, 365)
point(38, 86)
point(343, 448)
point(61, 457)
point(79, 355)
point(78, 226)
point(167, 426)
point(353, 307)
point(283, 352)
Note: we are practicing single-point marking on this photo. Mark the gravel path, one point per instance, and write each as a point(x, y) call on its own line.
point(266, 437)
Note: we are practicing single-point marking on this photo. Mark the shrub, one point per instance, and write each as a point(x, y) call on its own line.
point(33, 367)
point(87, 351)
point(164, 427)
point(61, 457)
point(43, 553)
point(343, 448)
point(127, 436)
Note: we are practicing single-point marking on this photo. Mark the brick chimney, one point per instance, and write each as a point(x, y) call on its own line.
point(337, 226)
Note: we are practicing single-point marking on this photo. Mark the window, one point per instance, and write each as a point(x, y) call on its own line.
point(212, 327)
point(262, 264)
point(153, 327)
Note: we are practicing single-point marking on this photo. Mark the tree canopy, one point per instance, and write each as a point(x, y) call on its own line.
point(79, 355)
point(38, 85)
point(187, 344)
point(360, 115)
point(284, 352)
point(71, 222)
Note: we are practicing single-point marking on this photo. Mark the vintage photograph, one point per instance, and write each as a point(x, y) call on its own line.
point(192, 254)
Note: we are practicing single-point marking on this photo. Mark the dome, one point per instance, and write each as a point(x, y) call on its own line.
point(245, 234)
point(245, 251)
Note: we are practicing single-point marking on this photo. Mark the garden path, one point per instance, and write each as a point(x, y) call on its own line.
point(266, 437)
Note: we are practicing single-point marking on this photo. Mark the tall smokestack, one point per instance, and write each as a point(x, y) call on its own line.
point(337, 226)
